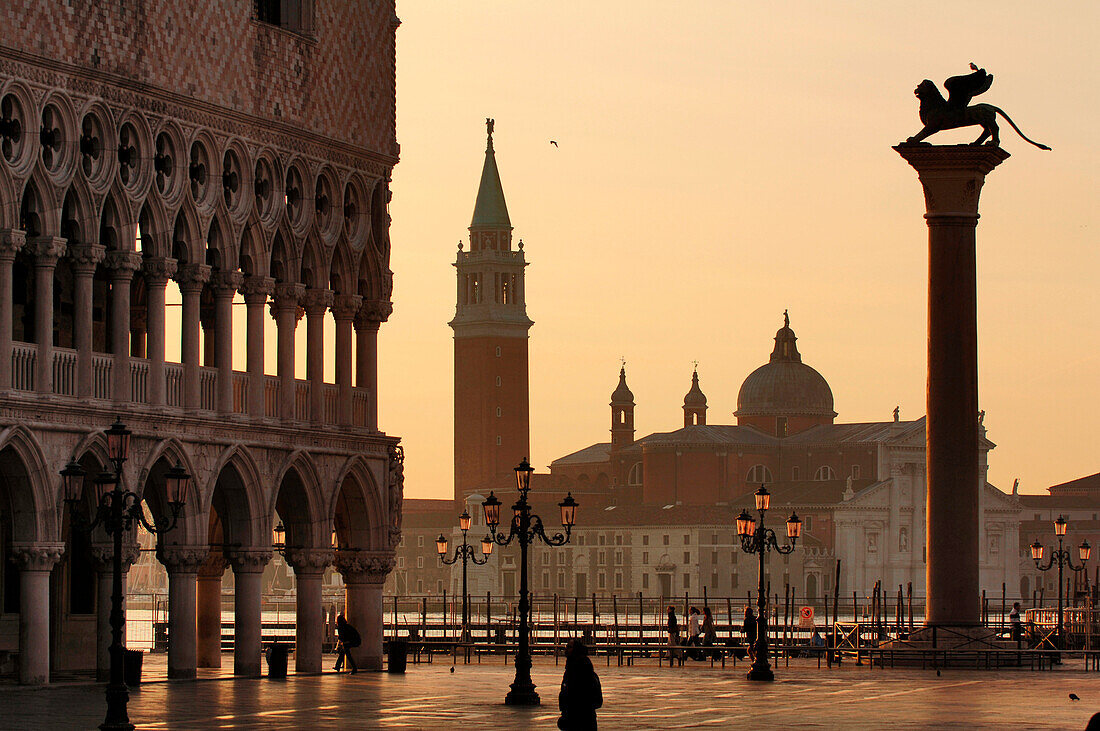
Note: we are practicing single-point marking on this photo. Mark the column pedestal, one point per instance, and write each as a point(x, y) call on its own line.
point(952, 178)
point(248, 568)
point(35, 562)
point(364, 574)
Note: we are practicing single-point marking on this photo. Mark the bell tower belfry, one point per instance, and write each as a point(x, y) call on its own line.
point(492, 422)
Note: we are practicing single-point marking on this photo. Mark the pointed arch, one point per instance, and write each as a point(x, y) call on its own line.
point(285, 262)
point(234, 490)
point(156, 236)
point(9, 206)
point(33, 497)
point(255, 248)
point(187, 241)
point(357, 508)
point(117, 222)
point(39, 212)
point(342, 269)
point(315, 262)
point(299, 500)
point(220, 250)
point(150, 484)
point(78, 214)
point(370, 284)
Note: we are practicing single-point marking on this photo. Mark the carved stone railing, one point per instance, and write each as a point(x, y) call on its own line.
point(24, 360)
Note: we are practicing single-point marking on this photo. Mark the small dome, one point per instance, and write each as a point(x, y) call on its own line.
point(622, 393)
point(785, 386)
point(695, 397)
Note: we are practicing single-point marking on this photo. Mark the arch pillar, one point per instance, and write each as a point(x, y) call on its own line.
point(316, 303)
point(182, 563)
point(103, 558)
point(371, 315)
point(364, 574)
point(248, 568)
point(121, 265)
point(47, 250)
point(344, 309)
point(84, 258)
point(309, 566)
point(209, 610)
point(35, 561)
point(157, 273)
point(191, 279)
point(285, 311)
point(256, 290)
point(224, 285)
point(11, 242)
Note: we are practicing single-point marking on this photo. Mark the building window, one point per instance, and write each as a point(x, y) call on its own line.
point(400, 562)
point(419, 562)
point(545, 558)
point(602, 558)
point(561, 559)
point(602, 579)
point(295, 15)
point(498, 411)
point(665, 537)
point(645, 539)
point(545, 579)
point(634, 478)
point(714, 538)
point(733, 557)
point(794, 473)
point(561, 580)
point(733, 580)
point(855, 472)
point(759, 474)
point(781, 426)
point(619, 538)
point(402, 542)
point(439, 587)
point(808, 523)
point(601, 539)
point(645, 557)
point(618, 580)
point(498, 351)
point(498, 441)
point(687, 539)
point(645, 581)
point(580, 540)
point(714, 560)
point(419, 586)
point(687, 581)
point(687, 557)
point(824, 472)
point(420, 541)
point(618, 558)
point(498, 380)
point(714, 581)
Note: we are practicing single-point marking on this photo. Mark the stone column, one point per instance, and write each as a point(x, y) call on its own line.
point(364, 574)
point(121, 265)
point(309, 627)
point(209, 610)
point(344, 309)
point(224, 286)
point(183, 564)
point(284, 308)
point(371, 315)
point(102, 556)
point(191, 279)
point(47, 250)
point(84, 258)
point(952, 178)
point(316, 303)
point(35, 562)
point(11, 241)
point(248, 569)
point(256, 290)
point(157, 273)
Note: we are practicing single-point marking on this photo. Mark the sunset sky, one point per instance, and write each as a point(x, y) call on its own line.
point(719, 162)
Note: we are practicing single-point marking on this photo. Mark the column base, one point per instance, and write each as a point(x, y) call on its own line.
point(522, 695)
point(764, 673)
point(181, 673)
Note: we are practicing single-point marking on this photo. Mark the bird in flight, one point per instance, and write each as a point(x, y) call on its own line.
point(554, 143)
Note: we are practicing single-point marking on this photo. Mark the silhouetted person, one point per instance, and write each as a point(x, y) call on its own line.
point(710, 634)
point(349, 638)
point(580, 693)
point(1014, 620)
point(749, 630)
point(1094, 723)
point(673, 631)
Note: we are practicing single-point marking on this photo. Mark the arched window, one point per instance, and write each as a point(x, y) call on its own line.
point(635, 476)
point(759, 474)
point(824, 472)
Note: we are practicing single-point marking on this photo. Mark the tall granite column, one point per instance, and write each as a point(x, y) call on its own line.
point(84, 258)
point(952, 178)
point(248, 569)
point(35, 562)
point(11, 241)
point(183, 564)
point(209, 610)
point(309, 625)
point(364, 574)
point(102, 556)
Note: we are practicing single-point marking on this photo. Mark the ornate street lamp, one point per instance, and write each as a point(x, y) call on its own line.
point(465, 553)
point(755, 538)
point(117, 510)
point(1061, 557)
point(525, 528)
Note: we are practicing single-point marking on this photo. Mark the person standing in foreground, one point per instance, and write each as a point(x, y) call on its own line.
point(749, 629)
point(673, 632)
point(1014, 620)
point(580, 693)
point(349, 638)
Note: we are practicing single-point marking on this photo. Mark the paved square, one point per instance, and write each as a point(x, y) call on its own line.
point(639, 697)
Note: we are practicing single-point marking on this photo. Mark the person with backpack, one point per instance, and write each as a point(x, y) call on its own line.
point(349, 639)
point(581, 694)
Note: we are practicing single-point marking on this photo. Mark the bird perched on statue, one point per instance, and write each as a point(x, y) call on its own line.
point(1073, 697)
point(554, 143)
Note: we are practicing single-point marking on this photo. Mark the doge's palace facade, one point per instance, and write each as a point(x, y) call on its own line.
point(233, 150)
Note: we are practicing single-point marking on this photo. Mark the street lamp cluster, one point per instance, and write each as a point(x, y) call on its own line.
point(117, 511)
point(755, 538)
point(464, 553)
point(1060, 557)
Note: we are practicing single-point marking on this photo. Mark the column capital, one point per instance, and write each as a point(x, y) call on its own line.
point(36, 556)
point(364, 567)
point(158, 270)
point(214, 566)
point(248, 561)
point(12, 241)
point(46, 250)
point(317, 301)
point(309, 560)
point(256, 290)
point(192, 277)
point(952, 175)
point(225, 284)
point(182, 559)
point(373, 312)
point(122, 264)
point(345, 306)
point(84, 258)
point(287, 294)
point(103, 555)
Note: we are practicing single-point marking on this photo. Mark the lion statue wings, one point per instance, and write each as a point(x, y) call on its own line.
point(937, 113)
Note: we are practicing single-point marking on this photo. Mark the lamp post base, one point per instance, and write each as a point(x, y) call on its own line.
point(763, 672)
point(117, 718)
point(522, 694)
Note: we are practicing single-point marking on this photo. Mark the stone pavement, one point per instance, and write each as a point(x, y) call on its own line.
point(639, 697)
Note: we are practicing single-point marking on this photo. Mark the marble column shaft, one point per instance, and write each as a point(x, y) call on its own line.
point(364, 575)
point(183, 563)
point(248, 567)
point(256, 291)
point(102, 555)
point(209, 611)
point(371, 315)
point(157, 273)
point(224, 286)
point(344, 308)
point(84, 258)
point(284, 308)
point(11, 242)
point(309, 567)
point(316, 303)
point(121, 265)
point(35, 562)
point(47, 250)
point(191, 279)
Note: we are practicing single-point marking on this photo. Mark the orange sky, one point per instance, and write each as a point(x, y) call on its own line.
point(719, 162)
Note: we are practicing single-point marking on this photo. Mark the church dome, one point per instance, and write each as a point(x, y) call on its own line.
point(622, 393)
point(785, 386)
point(695, 397)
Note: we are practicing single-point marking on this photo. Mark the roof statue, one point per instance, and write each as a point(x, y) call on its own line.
point(937, 113)
point(786, 319)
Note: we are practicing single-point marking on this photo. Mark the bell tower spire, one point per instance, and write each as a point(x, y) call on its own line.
point(492, 422)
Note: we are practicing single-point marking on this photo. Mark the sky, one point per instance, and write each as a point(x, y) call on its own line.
point(719, 162)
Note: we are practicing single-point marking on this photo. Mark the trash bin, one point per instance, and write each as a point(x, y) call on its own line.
point(398, 656)
point(131, 667)
point(276, 660)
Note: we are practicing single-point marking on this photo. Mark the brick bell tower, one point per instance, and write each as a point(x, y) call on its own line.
point(492, 424)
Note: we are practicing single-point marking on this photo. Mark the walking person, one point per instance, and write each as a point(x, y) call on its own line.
point(1014, 621)
point(695, 628)
point(580, 695)
point(748, 627)
point(710, 634)
point(348, 639)
point(673, 632)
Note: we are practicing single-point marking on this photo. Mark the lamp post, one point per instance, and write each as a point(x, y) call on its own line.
point(525, 528)
point(1061, 557)
point(117, 510)
point(755, 538)
point(465, 553)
